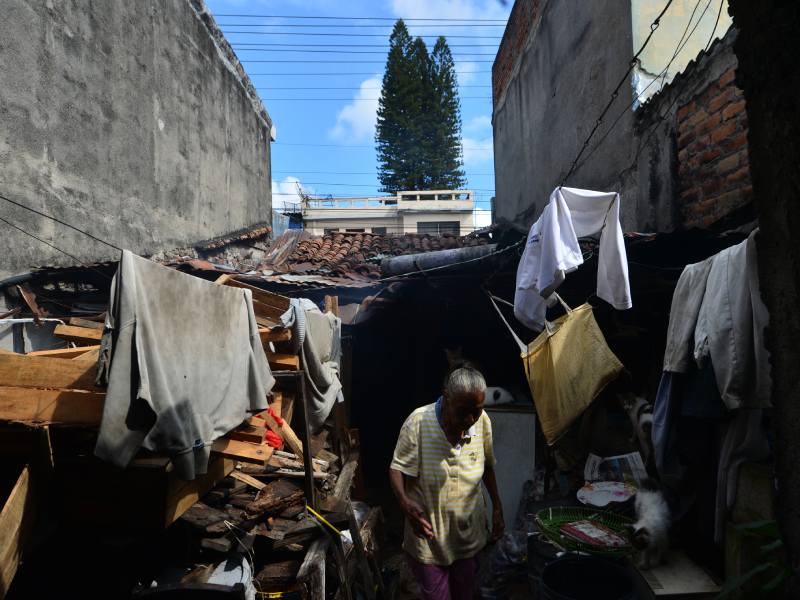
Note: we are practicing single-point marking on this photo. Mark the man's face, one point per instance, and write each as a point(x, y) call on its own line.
point(463, 410)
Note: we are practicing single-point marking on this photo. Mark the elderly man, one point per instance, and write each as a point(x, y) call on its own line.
point(443, 453)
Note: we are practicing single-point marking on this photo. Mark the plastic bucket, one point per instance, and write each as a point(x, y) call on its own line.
point(585, 578)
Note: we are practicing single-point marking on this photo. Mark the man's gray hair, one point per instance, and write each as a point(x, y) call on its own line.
point(464, 380)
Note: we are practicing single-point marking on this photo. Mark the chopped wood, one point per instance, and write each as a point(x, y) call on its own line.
point(78, 334)
point(218, 544)
point(286, 432)
point(251, 481)
point(275, 497)
point(326, 456)
point(243, 451)
point(277, 573)
point(284, 463)
point(295, 474)
point(64, 352)
point(200, 516)
point(50, 406)
point(182, 494)
point(21, 370)
point(241, 501)
point(324, 465)
point(78, 322)
point(283, 362)
point(247, 432)
point(274, 335)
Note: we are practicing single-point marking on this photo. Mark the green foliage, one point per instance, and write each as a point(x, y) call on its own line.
point(771, 573)
point(418, 134)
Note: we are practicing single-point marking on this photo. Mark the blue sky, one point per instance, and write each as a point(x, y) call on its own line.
point(325, 137)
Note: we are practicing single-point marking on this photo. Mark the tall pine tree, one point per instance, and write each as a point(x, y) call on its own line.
point(418, 134)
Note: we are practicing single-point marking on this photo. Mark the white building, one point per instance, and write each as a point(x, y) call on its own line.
point(433, 211)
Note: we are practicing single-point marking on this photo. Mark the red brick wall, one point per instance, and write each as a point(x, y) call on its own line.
point(520, 23)
point(713, 168)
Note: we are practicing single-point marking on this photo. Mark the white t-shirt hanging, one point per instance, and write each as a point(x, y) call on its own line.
point(552, 251)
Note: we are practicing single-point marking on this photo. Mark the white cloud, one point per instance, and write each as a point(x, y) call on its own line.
point(466, 72)
point(285, 194)
point(356, 121)
point(482, 217)
point(478, 124)
point(451, 9)
point(477, 150)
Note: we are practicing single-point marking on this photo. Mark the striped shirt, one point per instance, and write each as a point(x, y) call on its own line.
point(446, 481)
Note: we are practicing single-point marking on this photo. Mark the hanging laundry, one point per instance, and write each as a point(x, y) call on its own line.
point(184, 365)
point(552, 251)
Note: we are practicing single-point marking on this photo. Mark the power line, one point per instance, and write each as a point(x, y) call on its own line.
point(653, 26)
point(52, 218)
point(339, 18)
point(349, 35)
point(384, 46)
point(356, 25)
point(335, 73)
point(264, 89)
point(369, 185)
point(343, 62)
point(54, 247)
point(358, 146)
point(296, 50)
point(361, 99)
point(355, 173)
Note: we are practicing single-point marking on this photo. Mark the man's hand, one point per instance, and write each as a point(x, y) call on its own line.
point(418, 519)
point(498, 524)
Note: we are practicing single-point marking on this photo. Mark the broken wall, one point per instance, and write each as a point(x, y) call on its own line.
point(131, 120)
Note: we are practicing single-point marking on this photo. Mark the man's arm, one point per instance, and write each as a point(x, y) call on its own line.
point(498, 524)
point(415, 513)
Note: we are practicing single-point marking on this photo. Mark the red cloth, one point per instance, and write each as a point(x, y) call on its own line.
point(275, 416)
point(274, 440)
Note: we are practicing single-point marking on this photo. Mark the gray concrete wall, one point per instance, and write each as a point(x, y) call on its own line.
point(564, 76)
point(131, 120)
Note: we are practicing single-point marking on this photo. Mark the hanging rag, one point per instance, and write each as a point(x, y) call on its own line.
point(183, 362)
point(317, 338)
point(567, 366)
point(552, 251)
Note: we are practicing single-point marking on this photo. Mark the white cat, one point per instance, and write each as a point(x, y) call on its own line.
point(650, 532)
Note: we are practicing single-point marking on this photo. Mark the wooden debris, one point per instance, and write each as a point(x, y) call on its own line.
point(218, 544)
point(279, 573)
point(248, 433)
point(275, 497)
point(80, 335)
point(200, 516)
point(249, 480)
point(86, 323)
point(283, 362)
point(21, 370)
point(285, 431)
point(243, 451)
point(274, 335)
point(64, 352)
point(36, 406)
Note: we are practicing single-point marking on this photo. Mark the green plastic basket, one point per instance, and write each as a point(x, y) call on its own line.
point(550, 521)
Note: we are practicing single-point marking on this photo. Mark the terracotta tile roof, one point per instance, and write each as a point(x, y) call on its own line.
point(345, 254)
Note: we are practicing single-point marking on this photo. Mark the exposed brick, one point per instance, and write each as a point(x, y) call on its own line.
point(736, 142)
point(686, 138)
point(733, 109)
point(709, 123)
point(683, 156)
point(728, 164)
point(711, 187)
point(710, 154)
point(691, 195)
point(723, 131)
point(720, 100)
point(730, 201)
point(685, 110)
point(727, 77)
point(742, 174)
point(697, 118)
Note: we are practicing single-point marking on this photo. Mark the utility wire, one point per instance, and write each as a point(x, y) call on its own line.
point(266, 89)
point(52, 218)
point(362, 99)
point(343, 62)
point(339, 18)
point(335, 73)
point(356, 25)
point(353, 173)
point(349, 35)
point(486, 147)
point(296, 50)
point(716, 23)
point(371, 185)
point(632, 63)
point(54, 247)
point(384, 46)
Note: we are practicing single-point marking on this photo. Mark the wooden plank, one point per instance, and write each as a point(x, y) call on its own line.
point(16, 520)
point(21, 370)
point(182, 494)
point(77, 334)
point(64, 352)
point(287, 407)
point(276, 402)
point(283, 362)
point(78, 322)
point(286, 432)
point(253, 453)
point(277, 301)
point(90, 357)
point(275, 497)
point(248, 433)
point(274, 335)
point(51, 406)
point(249, 480)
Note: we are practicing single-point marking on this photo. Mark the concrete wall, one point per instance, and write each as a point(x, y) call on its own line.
point(563, 75)
point(131, 120)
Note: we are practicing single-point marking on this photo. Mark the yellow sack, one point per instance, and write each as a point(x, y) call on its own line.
point(567, 366)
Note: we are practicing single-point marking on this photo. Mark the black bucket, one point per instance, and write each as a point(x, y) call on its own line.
point(585, 578)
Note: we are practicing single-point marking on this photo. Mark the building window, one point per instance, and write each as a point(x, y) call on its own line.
point(355, 230)
point(328, 230)
point(439, 227)
point(379, 230)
